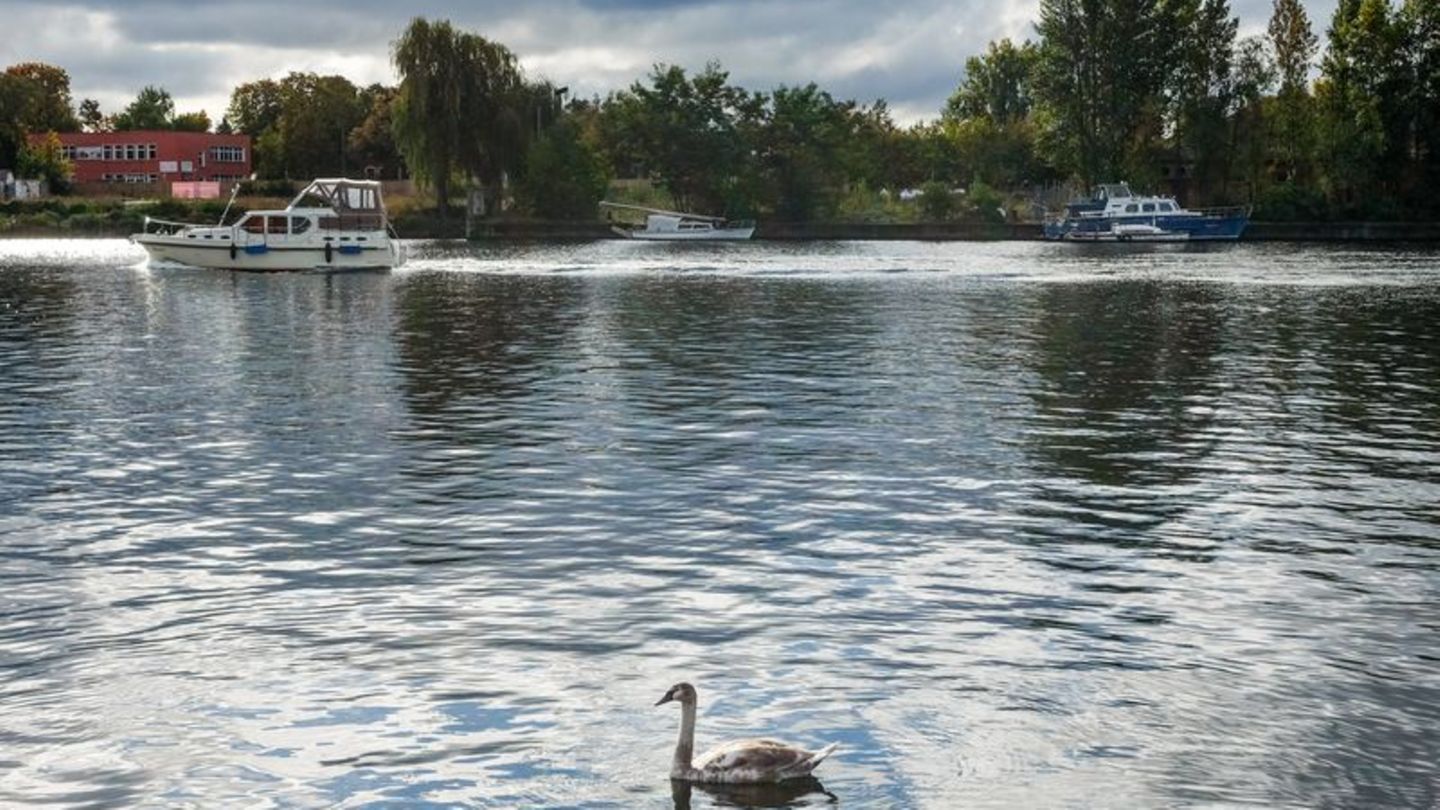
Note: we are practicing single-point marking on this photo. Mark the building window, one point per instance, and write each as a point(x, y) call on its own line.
point(153, 152)
point(109, 152)
point(227, 154)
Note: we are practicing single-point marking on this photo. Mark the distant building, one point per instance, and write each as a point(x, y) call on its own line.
point(155, 156)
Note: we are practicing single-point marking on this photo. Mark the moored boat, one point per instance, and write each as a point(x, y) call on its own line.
point(675, 226)
point(1115, 214)
point(334, 224)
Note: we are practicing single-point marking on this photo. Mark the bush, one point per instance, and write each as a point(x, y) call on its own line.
point(85, 223)
point(44, 220)
point(1287, 202)
point(986, 202)
point(936, 202)
point(564, 177)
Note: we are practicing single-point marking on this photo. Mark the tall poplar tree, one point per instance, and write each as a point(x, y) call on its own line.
point(1294, 45)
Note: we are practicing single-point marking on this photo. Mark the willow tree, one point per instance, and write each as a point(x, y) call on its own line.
point(454, 108)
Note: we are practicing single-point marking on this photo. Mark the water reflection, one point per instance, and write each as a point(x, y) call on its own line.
point(807, 792)
point(1013, 524)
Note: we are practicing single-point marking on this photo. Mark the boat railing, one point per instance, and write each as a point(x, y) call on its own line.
point(166, 227)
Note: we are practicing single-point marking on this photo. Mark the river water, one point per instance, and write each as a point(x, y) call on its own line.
point(1017, 525)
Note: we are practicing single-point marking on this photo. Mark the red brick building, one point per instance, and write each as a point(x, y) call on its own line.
point(155, 156)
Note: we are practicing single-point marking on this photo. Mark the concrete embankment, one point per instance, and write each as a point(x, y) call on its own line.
point(1358, 232)
point(1342, 232)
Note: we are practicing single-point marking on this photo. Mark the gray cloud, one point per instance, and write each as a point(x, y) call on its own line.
point(911, 53)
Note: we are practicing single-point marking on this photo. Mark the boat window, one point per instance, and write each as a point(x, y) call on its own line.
point(1131, 208)
point(276, 225)
point(254, 224)
point(299, 225)
point(1166, 207)
point(1148, 208)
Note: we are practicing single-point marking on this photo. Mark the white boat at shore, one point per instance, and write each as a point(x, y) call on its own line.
point(676, 226)
point(334, 224)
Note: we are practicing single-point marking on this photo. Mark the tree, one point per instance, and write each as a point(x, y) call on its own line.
point(91, 118)
point(998, 85)
point(372, 142)
point(16, 97)
point(1253, 77)
point(988, 121)
point(153, 108)
point(1421, 21)
point(255, 107)
point(799, 147)
point(46, 159)
point(317, 115)
point(1200, 87)
point(564, 176)
point(1294, 45)
point(49, 108)
point(1361, 98)
point(1102, 66)
point(454, 110)
point(687, 133)
point(191, 122)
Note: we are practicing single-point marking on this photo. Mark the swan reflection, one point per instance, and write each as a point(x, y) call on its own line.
point(805, 792)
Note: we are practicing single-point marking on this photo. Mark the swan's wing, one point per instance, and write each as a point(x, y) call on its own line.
point(754, 760)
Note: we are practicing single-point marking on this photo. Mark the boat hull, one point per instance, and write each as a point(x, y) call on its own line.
point(228, 256)
point(713, 235)
point(1179, 228)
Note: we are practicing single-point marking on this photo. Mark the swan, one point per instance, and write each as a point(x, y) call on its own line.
point(741, 761)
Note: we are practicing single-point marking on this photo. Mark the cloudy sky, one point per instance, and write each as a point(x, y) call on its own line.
point(910, 52)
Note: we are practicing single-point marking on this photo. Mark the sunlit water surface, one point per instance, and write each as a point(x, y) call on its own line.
point(1018, 525)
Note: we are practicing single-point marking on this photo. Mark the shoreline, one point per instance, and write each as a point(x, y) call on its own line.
point(533, 231)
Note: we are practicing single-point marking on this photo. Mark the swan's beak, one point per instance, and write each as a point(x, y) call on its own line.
point(669, 696)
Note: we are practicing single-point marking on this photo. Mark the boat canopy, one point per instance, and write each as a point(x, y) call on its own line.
point(344, 196)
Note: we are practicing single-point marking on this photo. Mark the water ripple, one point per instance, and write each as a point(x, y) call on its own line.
point(1016, 524)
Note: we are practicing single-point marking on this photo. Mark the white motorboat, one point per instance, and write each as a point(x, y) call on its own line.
point(675, 226)
point(334, 224)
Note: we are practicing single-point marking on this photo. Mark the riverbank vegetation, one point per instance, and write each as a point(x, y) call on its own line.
point(1162, 93)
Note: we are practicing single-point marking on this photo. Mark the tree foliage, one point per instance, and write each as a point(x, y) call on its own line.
point(45, 158)
point(565, 177)
point(998, 85)
point(48, 106)
point(153, 108)
point(456, 108)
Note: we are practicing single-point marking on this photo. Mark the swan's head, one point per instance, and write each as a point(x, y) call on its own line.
point(683, 692)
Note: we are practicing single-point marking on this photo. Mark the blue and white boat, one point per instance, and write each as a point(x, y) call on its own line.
point(1114, 214)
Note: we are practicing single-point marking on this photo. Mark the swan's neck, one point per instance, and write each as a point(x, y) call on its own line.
point(685, 748)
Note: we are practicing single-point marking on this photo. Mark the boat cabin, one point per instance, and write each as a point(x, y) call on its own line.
point(1116, 200)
